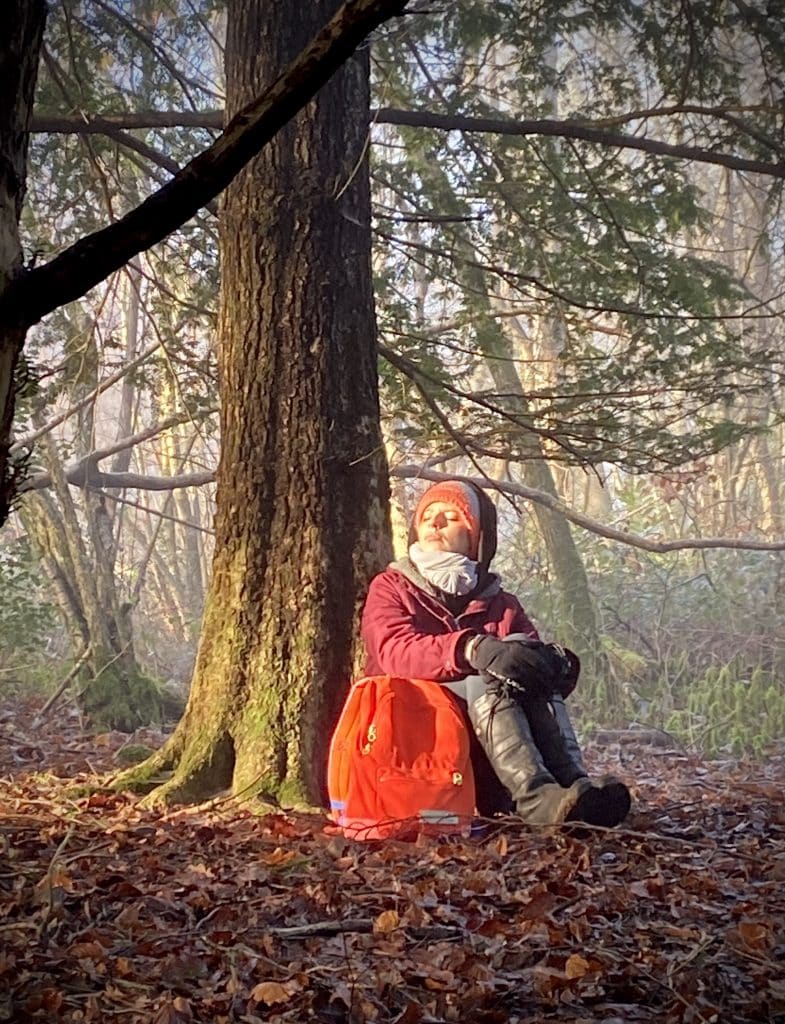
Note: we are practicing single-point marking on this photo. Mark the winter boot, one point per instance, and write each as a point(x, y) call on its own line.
point(562, 754)
point(562, 757)
point(492, 797)
point(501, 725)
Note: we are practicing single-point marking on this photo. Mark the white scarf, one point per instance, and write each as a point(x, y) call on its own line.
point(446, 570)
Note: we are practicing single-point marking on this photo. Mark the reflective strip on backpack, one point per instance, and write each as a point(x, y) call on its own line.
point(439, 817)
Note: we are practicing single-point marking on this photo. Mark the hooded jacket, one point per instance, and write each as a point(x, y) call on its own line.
point(409, 630)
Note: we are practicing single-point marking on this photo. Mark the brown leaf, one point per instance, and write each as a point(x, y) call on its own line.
point(270, 993)
point(279, 856)
point(182, 1006)
point(754, 934)
point(87, 951)
point(386, 922)
point(576, 966)
point(51, 1000)
point(439, 981)
point(501, 845)
point(413, 1014)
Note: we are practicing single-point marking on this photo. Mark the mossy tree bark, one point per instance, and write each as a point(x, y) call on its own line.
point(80, 550)
point(302, 520)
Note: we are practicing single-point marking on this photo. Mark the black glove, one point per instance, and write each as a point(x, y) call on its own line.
point(525, 663)
point(565, 665)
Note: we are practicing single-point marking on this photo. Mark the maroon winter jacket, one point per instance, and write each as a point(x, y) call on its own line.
point(408, 632)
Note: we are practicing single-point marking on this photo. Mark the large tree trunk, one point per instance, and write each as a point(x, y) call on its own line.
point(20, 45)
point(302, 497)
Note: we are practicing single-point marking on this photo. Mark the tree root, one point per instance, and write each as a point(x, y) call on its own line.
point(195, 778)
point(141, 778)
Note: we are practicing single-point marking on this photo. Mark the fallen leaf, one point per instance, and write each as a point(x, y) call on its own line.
point(272, 992)
point(754, 934)
point(413, 1014)
point(386, 922)
point(576, 966)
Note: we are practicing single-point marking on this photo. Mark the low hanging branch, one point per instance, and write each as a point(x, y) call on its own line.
point(89, 261)
point(28, 440)
point(567, 129)
point(586, 522)
point(578, 130)
point(96, 479)
point(86, 473)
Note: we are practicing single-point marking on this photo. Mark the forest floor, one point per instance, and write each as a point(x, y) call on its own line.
point(217, 913)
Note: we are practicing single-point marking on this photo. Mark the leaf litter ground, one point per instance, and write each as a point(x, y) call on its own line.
point(219, 913)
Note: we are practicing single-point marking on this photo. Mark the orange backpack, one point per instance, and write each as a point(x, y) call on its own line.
point(399, 761)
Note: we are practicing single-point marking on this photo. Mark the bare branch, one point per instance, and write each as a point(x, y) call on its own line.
point(85, 472)
point(68, 124)
point(516, 279)
point(575, 130)
point(158, 513)
point(74, 672)
point(586, 522)
point(585, 131)
point(89, 477)
point(422, 472)
point(33, 436)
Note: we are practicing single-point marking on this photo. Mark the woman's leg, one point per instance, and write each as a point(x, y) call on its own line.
point(492, 797)
point(547, 749)
point(469, 688)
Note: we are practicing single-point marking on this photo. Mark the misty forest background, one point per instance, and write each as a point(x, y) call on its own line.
point(579, 286)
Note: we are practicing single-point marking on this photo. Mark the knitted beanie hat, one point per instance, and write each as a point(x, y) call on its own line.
point(460, 496)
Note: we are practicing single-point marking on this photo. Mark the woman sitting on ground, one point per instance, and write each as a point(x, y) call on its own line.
point(440, 614)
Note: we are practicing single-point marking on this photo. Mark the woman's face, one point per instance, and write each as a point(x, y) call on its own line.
point(442, 529)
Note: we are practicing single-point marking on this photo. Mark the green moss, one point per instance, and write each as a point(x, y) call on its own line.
point(133, 753)
point(146, 776)
point(205, 770)
point(292, 793)
point(120, 700)
point(140, 780)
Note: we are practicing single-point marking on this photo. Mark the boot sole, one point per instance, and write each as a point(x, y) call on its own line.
point(607, 805)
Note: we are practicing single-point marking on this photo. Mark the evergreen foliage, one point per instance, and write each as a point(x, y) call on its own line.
point(27, 617)
point(643, 342)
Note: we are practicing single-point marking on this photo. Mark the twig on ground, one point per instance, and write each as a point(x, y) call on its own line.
point(47, 881)
point(63, 686)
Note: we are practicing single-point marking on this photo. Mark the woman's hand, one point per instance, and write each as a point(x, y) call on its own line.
point(534, 666)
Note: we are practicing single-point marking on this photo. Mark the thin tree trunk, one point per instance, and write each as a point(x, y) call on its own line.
point(44, 527)
point(577, 625)
point(115, 694)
